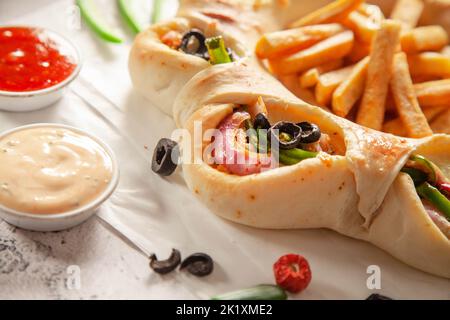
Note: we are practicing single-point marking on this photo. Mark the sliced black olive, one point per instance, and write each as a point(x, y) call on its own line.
point(197, 49)
point(376, 296)
point(165, 153)
point(231, 54)
point(310, 132)
point(165, 266)
point(289, 134)
point(198, 264)
point(261, 122)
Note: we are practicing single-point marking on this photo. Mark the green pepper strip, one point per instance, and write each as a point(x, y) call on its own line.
point(298, 154)
point(418, 176)
point(157, 10)
point(294, 156)
point(252, 134)
point(433, 195)
point(427, 165)
point(93, 19)
point(260, 292)
point(217, 52)
point(127, 13)
point(285, 159)
point(263, 146)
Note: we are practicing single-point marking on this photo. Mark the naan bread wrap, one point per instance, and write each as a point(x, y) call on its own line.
point(159, 72)
point(360, 193)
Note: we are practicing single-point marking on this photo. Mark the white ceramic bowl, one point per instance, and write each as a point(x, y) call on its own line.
point(38, 99)
point(66, 220)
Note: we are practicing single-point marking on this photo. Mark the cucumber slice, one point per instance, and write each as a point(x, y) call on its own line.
point(157, 10)
point(126, 10)
point(93, 19)
point(260, 292)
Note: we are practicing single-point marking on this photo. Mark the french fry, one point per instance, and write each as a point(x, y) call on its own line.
point(407, 12)
point(446, 51)
point(428, 38)
point(431, 64)
point(350, 90)
point(359, 51)
point(405, 99)
point(308, 96)
point(334, 12)
point(384, 45)
point(423, 78)
point(362, 26)
point(291, 82)
point(390, 104)
point(433, 93)
point(442, 123)
point(372, 12)
point(328, 82)
point(310, 77)
point(332, 48)
point(432, 112)
point(258, 107)
point(276, 44)
point(396, 126)
point(351, 115)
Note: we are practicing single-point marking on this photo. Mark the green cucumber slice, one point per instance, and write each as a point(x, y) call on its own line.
point(260, 292)
point(94, 20)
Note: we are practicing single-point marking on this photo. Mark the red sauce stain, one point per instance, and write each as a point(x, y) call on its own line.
point(30, 61)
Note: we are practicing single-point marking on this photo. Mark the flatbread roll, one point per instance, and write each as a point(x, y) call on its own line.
point(359, 191)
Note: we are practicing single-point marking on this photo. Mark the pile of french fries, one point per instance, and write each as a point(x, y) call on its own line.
point(385, 74)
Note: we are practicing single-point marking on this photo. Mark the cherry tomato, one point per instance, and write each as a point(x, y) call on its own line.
point(292, 273)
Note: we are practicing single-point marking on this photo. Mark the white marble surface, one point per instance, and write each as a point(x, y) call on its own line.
point(37, 265)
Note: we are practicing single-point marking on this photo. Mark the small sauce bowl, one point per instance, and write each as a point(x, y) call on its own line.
point(23, 101)
point(69, 219)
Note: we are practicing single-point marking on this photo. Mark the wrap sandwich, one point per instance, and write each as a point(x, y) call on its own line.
point(362, 183)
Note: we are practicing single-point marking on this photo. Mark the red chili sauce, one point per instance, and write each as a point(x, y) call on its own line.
point(30, 60)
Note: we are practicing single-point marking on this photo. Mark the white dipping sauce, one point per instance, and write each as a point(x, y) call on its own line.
point(48, 170)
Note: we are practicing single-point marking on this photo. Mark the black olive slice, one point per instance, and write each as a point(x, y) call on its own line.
point(200, 48)
point(165, 266)
point(198, 264)
point(286, 130)
point(261, 122)
point(231, 54)
point(165, 153)
point(310, 132)
point(376, 296)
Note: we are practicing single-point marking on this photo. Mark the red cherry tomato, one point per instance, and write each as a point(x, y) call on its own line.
point(292, 273)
